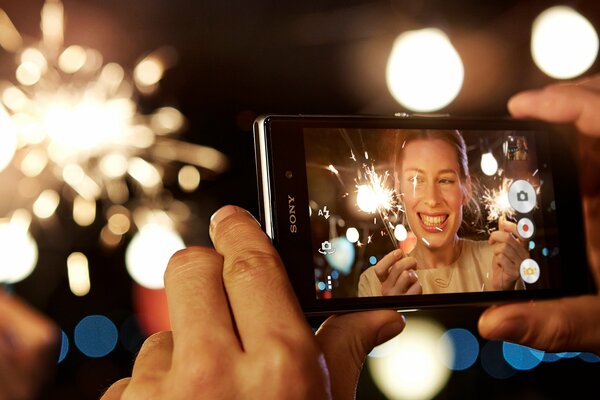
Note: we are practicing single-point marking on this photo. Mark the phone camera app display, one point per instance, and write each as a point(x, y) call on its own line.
point(429, 211)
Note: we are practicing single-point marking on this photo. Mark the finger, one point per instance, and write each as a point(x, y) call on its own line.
point(347, 339)
point(115, 391)
point(197, 303)
point(561, 104)
point(567, 324)
point(382, 267)
point(505, 242)
point(508, 269)
point(415, 288)
point(154, 358)
point(261, 297)
point(404, 282)
point(391, 284)
point(507, 226)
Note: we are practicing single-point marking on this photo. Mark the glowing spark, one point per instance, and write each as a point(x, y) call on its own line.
point(333, 169)
point(352, 156)
point(496, 203)
point(535, 172)
point(80, 136)
point(425, 241)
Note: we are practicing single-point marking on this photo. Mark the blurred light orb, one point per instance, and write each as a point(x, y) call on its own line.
point(564, 44)
point(8, 139)
point(352, 235)
point(410, 367)
point(424, 71)
point(489, 165)
point(18, 252)
point(343, 257)
point(149, 252)
point(400, 233)
point(96, 336)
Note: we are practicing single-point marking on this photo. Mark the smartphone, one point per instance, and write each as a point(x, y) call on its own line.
point(411, 212)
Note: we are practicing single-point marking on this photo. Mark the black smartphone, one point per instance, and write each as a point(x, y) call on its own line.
point(412, 212)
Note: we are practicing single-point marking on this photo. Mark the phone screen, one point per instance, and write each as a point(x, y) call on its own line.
point(430, 211)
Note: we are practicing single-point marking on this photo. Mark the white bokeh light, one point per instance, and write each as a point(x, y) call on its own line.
point(18, 250)
point(400, 233)
point(149, 252)
point(8, 139)
point(564, 44)
point(489, 165)
point(410, 366)
point(424, 72)
point(352, 235)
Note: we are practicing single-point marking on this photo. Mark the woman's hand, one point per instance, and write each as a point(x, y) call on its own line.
point(509, 252)
point(397, 274)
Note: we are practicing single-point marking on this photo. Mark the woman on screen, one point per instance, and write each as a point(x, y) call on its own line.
point(435, 185)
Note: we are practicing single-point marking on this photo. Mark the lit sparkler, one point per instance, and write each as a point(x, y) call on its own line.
point(70, 132)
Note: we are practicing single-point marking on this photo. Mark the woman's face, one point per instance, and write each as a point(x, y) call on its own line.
point(433, 192)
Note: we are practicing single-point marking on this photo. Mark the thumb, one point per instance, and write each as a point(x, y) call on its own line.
point(347, 339)
point(567, 324)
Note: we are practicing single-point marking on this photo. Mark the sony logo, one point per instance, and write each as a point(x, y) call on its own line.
point(292, 214)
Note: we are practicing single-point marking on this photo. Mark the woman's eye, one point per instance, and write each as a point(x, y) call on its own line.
point(446, 181)
point(415, 179)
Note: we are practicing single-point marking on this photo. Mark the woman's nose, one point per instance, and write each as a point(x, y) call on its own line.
point(431, 194)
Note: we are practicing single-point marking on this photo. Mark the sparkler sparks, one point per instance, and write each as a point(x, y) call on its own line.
point(71, 130)
point(496, 203)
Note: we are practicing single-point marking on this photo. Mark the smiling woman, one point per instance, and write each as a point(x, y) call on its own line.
point(435, 186)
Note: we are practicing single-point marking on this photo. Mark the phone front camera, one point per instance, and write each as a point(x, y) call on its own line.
point(288, 174)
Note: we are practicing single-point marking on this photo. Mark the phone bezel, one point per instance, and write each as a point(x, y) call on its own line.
point(279, 149)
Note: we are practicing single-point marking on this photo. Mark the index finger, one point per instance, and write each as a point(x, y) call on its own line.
point(382, 268)
point(262, 300)
point(577, 104)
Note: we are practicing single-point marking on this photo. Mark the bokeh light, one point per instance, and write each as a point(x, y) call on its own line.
point(343, 257)
point(64, 346)
point(409, 366)
point(352, 235)
point(493, 361)
point(148, 254)
point(95, 336)
point(18, 249)
point(564, 44)
point(424, 71)
point(465, 348)
point(521, 357)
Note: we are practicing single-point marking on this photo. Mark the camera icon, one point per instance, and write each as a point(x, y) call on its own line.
point(522, 196)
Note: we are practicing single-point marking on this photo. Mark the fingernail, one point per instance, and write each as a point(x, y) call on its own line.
point(225, 212)
point(222, 213)
point(412, 274)
point(390, 330)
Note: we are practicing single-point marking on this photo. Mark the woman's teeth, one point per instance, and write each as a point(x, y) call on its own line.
point(433, 221)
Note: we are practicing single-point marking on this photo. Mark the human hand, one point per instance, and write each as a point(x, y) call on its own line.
point(28, 349)
point(567, 324)
point(397, 274)
point(509, 252)
point(239, 332)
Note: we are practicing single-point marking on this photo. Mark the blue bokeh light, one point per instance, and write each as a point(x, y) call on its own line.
point(551, 357)
point(545, 252)
point(589, 357)
point(64, 346)
point(342, 258)
point(466, 348)
point(96, 336)
point(321, 285)
point(493, 361)
point(373, 260)
point(531, 245)
point(521, 357)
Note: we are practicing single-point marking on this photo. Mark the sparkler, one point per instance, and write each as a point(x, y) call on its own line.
point(70, 131)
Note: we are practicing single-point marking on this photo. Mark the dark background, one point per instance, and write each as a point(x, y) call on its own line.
point(238, 59)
